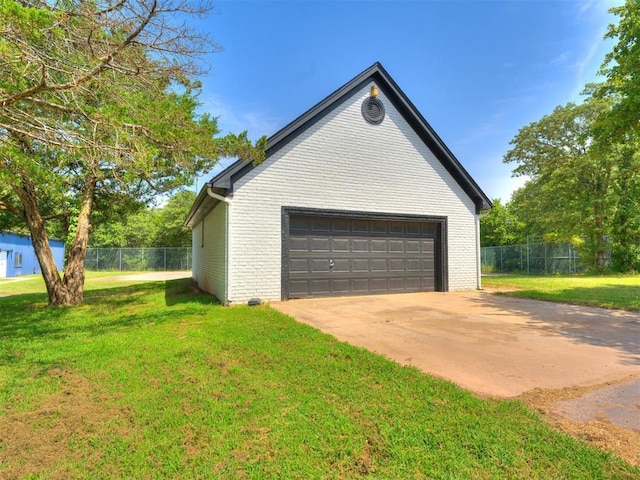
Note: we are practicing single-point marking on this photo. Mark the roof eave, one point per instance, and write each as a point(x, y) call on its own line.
point(376, 72)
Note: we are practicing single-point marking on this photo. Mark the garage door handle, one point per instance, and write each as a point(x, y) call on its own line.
point(331, 263)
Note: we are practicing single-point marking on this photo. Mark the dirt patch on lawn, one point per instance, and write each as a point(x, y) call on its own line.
point(58, 431)
point(606, 436)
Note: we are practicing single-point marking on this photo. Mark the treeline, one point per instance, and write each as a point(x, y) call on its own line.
point(582, 164)
point(148, 227)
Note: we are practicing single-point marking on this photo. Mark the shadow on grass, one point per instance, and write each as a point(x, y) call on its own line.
point(582, 323)
point(616, 296)
point(183, 291)
point(27, 316)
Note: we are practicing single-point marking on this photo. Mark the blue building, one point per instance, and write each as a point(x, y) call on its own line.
point(18, 257)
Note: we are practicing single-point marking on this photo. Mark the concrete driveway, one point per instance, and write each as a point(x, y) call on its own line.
point(492, 345)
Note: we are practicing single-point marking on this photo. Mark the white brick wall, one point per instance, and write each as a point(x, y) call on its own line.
point(344, 163)
point(209, 252)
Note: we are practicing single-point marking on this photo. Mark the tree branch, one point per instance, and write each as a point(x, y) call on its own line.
point(7, 207)
point(95, 71)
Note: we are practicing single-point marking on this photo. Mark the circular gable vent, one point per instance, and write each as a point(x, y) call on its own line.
point(373, 110)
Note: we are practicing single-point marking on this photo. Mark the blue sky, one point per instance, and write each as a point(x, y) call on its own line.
point(477, 70)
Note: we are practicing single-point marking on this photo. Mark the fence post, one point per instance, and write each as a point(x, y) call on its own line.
point(120, 259)
point(528, 256)
point(165, 259)
point(521, 258)
point(97, 259)
point(545, 258)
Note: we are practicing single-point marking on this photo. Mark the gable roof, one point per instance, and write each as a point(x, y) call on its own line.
point(222, 183)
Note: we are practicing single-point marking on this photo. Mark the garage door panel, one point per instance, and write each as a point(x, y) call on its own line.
point(429, 229)
point(360, 265)
point(414, 229)
point(319, 224)
point(319, 265)
point(341, 287)
point(298, 288)
point(413, 264)
point(378, 245)
point(300, 224)
point(320, 286)
point(379, 285)
point(412, 246)
point(341, 265)
point(319, 244)
point(340, 245)
point(299, 265)
point(359, 245)
point(428, 284)
point(428, 246)
point(360, 285)
point(341, 256)
point(342, 225)
point(360, 226)
point(299, 244)
point(379, 265)
point(396, 265)
point(378, 227)
point(396, 246)
point(428, 264)
point(396, 228)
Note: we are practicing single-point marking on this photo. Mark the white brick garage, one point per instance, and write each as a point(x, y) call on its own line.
point(394, 175)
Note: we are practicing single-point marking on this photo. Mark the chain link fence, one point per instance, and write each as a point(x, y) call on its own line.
point(138, 259)
point(531, 259)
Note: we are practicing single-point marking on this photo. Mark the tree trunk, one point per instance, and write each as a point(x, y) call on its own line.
point(68, 290)
point(27, 194)
point(73, 280)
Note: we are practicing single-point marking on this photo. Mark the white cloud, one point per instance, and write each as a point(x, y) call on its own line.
point(234, 120)
point(589, 64)
point(561, 59)
point(585, 6)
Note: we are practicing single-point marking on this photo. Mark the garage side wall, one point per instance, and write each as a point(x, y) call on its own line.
point(209, 246)
point(342, 162)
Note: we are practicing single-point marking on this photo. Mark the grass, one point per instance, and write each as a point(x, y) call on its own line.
point(155, 381)
point(615, 292)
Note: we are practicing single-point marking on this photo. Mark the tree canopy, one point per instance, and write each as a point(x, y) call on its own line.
point(583, 161)
point(500, 226)
point(148, 227)
point(98, 113)
point(569, 185)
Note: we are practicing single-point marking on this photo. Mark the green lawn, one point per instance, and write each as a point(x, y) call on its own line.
point(619, 292)
point(154, 381)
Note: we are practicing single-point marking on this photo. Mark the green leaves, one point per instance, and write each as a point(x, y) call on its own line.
point(569, 191)
point(98, 106)
point(501, 226)
point(147, 227)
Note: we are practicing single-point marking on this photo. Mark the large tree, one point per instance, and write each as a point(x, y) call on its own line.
point(621, 70)
point(98, 110)
point(569, 191)
point(617, 131)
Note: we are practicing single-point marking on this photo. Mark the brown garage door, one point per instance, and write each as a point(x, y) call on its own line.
point(331, 256)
